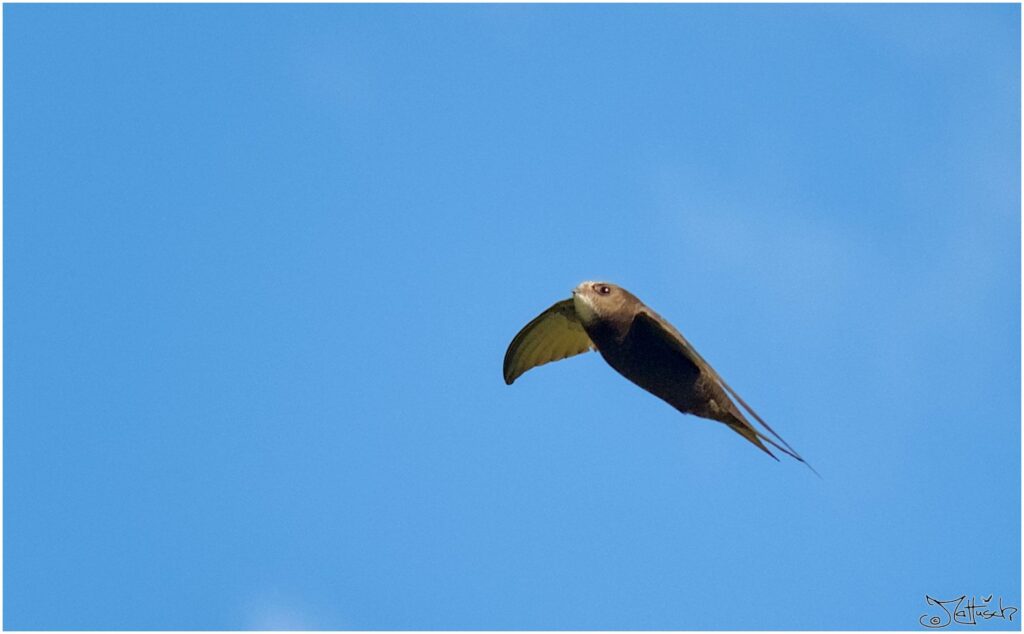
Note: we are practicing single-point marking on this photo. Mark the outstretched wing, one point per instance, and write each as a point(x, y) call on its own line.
point(675, 339)
point(554, 334)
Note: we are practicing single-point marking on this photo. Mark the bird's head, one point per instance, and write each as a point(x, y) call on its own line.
point(601, 300)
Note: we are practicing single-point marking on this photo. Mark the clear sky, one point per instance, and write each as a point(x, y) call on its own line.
point(261, 265)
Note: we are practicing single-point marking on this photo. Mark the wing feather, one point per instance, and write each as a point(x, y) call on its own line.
point(553, 335)
point(676, 339)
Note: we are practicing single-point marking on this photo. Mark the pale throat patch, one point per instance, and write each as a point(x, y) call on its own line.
point(584, 308)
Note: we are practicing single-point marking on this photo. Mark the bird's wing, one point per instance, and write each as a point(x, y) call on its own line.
point(554, 334)
point(676, 340)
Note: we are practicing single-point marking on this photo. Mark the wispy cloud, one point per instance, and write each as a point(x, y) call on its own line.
point(274, 611)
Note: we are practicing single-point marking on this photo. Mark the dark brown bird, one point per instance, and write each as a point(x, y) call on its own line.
point(642, 347)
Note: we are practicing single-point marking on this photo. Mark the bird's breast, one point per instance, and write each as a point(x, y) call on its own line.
point(651, 365)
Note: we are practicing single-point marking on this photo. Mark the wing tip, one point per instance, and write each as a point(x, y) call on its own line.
point(508, 369)
point(508, 366)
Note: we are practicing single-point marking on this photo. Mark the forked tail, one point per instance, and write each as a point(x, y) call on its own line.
point(741, 426)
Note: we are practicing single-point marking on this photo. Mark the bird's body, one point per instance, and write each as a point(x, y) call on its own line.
point(641, 346)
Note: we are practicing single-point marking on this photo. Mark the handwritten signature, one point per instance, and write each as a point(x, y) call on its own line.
point(964, 611)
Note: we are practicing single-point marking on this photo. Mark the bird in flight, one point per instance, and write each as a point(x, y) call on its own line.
point(641, 346)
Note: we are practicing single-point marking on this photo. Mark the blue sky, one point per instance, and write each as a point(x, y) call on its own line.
point(261, 264)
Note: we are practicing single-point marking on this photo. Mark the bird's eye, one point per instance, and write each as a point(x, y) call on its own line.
point(604, 290)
